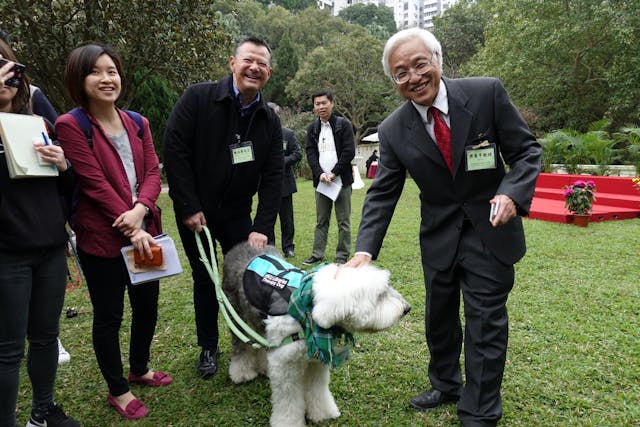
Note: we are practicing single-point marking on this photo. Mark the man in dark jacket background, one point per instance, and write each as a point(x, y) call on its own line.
point(330, 148)
point(292, 155)
point(222, 144)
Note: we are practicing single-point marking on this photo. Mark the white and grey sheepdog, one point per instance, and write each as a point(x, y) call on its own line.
point(355, 300)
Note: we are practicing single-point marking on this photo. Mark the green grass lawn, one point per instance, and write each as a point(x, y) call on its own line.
point(573, 357)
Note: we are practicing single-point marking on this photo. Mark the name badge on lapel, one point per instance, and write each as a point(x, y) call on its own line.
point(241, 152)
point(480, 156)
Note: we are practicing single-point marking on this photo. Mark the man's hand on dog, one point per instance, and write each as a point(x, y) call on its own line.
point(359, 260)
point(257, 240)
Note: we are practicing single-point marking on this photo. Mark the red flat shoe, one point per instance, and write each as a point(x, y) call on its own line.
point(134, 410)
point(159, 379)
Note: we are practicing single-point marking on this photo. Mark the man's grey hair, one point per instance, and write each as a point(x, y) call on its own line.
point(431, 43)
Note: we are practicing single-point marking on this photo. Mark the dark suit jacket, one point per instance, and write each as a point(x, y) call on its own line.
point(345, 148)
point(479, 110)
point(292, 155)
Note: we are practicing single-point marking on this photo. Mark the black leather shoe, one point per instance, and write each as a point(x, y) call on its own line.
point(208, 363)
point(311, 260)
point(289, 254)
point(431, 399)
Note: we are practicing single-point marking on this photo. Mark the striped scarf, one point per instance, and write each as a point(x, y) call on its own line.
point(330, 346)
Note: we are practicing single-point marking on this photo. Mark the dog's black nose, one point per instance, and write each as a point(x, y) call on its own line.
point(407, 309)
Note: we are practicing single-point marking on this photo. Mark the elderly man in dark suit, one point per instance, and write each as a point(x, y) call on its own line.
point(471, 232)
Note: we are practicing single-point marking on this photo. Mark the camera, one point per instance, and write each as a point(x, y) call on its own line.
point(18, 72)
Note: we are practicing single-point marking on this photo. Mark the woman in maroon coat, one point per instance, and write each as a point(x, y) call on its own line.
point(119, 182)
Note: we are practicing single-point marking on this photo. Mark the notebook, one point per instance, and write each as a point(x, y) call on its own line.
point(19, 132)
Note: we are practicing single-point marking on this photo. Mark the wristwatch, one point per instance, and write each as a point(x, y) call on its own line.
point(147, 211)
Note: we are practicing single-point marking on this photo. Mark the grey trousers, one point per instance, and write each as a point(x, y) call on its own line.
point(324, 205)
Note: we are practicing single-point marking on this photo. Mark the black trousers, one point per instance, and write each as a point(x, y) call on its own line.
point(32, 285)
point(228, 234)
point(287, 227)
point(107, 279)
point(485, 284)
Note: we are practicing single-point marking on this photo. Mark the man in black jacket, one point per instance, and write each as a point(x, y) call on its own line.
point(330, 148)
point(222, 144)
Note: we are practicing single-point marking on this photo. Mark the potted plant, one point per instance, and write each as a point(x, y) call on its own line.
point(578, 198)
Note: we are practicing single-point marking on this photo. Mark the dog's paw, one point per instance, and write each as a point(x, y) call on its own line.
point(240, 374)
point(242, 377)
point(329, 414)
point(321, 407)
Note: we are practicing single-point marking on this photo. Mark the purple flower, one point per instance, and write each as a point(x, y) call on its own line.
point(568, 192)
point(580, 184)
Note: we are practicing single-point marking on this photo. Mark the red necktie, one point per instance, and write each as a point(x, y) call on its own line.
point(443, 136)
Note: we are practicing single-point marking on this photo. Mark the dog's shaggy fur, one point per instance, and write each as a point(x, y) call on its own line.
point(358, 300)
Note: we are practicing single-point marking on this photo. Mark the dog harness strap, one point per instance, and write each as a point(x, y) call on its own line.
point(292, 338)
point(225, 305)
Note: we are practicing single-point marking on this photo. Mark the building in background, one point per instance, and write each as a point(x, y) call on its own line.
point(335, 6)
point(407, 13)
point(418, 13)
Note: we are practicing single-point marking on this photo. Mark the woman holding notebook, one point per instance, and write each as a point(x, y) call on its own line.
point(119, 182)
point(33, 266)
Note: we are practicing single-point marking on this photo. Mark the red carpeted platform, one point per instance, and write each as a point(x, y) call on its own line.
point(616, 198)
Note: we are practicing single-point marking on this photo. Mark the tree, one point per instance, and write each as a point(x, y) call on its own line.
point(284, 69)
point(295, 5)
point(460, 31)
point(309, 29)
point(350, 67)
point(241, 15)
point(371, 17)
point(180, 40)
point(570, 63)
point(154, 99)
point(315, 27)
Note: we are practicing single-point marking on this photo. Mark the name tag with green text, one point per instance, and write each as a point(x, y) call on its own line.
point(480, 157)
point(242, 152)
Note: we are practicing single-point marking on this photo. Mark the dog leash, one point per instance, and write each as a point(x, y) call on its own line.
point(225, 306)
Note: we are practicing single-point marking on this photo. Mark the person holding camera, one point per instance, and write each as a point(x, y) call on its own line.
point(33, 268)
point(41, 106)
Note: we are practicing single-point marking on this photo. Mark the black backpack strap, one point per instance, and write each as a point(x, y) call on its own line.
point(85, 125)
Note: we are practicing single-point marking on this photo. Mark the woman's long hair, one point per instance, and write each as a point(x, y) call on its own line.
point(20, 102)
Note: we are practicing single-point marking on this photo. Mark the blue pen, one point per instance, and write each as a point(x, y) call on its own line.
point(159, 236)
point(46, 140)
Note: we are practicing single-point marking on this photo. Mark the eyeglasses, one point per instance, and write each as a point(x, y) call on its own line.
point(419, 69)
point(251, 61)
